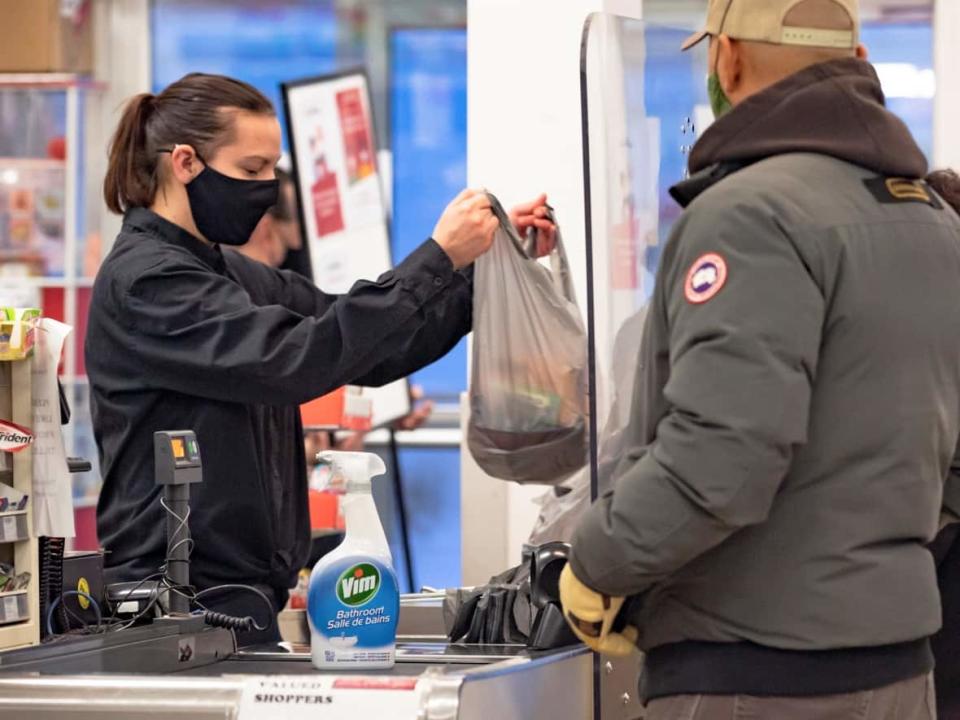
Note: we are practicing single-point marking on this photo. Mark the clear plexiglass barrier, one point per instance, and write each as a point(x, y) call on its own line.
point(644, 104)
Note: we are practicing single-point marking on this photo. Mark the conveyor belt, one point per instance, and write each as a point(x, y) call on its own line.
point(185, 670)
point(412, 660)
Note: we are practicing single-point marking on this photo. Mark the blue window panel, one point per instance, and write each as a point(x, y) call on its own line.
point(431, 483)
point(428, 136)
point(431, 486)
point(384, 495)
point(262, 45)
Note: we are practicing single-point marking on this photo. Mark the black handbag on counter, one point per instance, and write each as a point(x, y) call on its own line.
point(518, 607)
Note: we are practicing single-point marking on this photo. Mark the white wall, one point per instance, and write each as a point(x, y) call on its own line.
point(946, 143)
point(122, 61)
point(523, 138)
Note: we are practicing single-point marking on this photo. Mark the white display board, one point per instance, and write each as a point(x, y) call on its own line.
point(342, 210)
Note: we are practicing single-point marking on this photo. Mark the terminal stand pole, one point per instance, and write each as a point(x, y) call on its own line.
point(177, 498)
point(177, 466)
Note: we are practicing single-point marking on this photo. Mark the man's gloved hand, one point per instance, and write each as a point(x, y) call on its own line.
point(592, 615)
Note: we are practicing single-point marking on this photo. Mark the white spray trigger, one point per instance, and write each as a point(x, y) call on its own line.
point(350, 471)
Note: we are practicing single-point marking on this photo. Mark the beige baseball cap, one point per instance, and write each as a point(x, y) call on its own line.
point(810, 23)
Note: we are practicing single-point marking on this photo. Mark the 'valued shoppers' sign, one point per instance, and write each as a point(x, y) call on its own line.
point(298, 697)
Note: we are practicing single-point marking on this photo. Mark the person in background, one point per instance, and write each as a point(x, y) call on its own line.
point(287, 226)
point(796, 420)
point(182, 335)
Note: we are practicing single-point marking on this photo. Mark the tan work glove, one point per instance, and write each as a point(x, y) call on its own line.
point(591, 616)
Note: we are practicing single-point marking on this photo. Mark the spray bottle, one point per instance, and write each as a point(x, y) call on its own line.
point(353, 602)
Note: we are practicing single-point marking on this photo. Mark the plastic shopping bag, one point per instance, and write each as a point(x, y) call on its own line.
point(528, 390)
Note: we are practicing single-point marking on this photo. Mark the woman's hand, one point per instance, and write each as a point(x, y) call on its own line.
point(534, 215)
point(465, 230)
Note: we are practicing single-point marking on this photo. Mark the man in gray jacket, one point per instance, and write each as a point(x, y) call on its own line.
point(797, 410)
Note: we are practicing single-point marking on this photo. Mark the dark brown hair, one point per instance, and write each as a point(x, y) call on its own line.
point(188, 112)
point(946, 183)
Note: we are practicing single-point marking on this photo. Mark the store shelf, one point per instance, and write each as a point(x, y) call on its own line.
point(14, 592)
point(14, 608)
point(45, 282)
point(14, 528)
point(61, 111)
point(48, 81)
point(424, 437)
point(20, 634)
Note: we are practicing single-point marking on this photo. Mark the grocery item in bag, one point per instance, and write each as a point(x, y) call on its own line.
point(528, 390)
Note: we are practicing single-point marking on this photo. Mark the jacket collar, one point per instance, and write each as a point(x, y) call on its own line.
point(148, 221)
point(686, 191)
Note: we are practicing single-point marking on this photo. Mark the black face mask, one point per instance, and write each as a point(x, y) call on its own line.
point(225, 209)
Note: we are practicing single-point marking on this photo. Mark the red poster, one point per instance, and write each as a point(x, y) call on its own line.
point(326, 201)
point(357, 140)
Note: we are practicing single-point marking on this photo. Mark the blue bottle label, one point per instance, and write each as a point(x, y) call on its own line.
point(355, 602)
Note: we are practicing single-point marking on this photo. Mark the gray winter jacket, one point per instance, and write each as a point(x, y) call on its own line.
point(797, 411)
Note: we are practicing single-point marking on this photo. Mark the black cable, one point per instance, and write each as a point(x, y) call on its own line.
point(183, 526)
point(72, 593)
point(211, 618)
point(184, 591)
point(221, 620)
point(82, 621)
point(128, 593)
point(233, 586)
point(215, 619)
point(127, 624)
point(164, 581)
point(184, 541)
point(124, 624)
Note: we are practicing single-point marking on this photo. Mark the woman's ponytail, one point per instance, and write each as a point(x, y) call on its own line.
point(131, 172)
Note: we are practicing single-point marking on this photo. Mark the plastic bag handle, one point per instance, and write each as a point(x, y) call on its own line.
point(559, 263)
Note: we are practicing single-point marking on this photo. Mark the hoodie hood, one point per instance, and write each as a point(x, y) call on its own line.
point(836, 108)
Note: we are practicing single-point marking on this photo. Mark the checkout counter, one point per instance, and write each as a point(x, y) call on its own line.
point(185, 670)
point(179, 665)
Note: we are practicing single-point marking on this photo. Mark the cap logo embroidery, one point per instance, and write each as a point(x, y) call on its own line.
point(706, 278)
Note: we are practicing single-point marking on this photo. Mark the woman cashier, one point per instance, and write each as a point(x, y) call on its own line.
point(175, 341)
